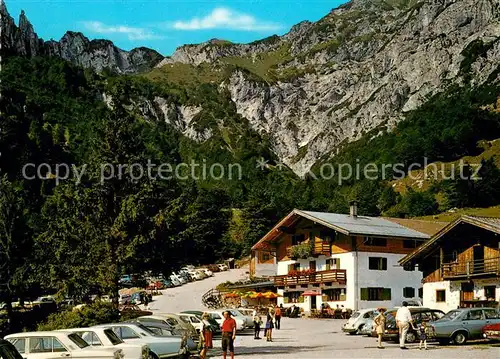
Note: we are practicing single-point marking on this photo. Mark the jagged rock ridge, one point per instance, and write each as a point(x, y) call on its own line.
point(358, 69)
point(74, 47)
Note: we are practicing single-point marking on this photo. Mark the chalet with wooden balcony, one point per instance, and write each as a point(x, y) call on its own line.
point(460, 264)
point(349, 260)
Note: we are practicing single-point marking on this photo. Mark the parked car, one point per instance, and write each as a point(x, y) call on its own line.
point(175, 321)
point(213, 323)
point(219, 317)
point(160, 347)
point(178, 278)
point(196, 275)
point(8, 351)
point(492, 331)
point(207, 271)
point(359, 319)
point(418, 315)
point(246, 311)
point(44, 300)
point(223, 267)
point(463, 324)
point(36, 345)
point(193, 320)
point(248, 318)
point(175, 281)
point(165, 330)
point(214, 268)
point(106, 338)
point(202, 273)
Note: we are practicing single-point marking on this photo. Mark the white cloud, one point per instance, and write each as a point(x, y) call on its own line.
point(224, 18)
point(133, 33)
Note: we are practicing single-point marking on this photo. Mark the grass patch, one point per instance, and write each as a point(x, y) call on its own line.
point(451, 216)
point(186, 74)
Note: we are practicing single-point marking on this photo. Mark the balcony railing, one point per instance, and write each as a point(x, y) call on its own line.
point(321, 248)
point(490, 266)
point(327, 276)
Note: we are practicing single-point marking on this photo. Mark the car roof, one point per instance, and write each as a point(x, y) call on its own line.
point(38, 334)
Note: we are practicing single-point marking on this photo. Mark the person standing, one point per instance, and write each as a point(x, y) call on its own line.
point(277, 317)
point(257, 322)
point(269, 325)
point(380, 326)
point(207, 335)
point(423, 331)
point(403, 321)
point(228, 334)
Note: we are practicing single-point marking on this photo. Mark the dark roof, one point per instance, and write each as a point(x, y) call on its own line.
point(253, 285)
point(489, 223)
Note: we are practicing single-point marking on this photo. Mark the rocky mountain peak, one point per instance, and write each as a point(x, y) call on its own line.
point(22, 40)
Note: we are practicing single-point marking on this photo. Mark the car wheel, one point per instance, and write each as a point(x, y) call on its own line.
point(460, 338)
point(152, 355)
point(360, 328)
point(411, 337)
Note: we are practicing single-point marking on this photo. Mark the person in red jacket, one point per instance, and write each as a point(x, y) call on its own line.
point(228, 334)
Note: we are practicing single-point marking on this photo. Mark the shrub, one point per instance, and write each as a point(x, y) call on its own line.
point(94, 314)
point(302, 250)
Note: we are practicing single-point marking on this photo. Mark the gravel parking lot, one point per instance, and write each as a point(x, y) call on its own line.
point(307, 338)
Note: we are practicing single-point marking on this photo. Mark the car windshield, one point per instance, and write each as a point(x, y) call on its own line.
point(451, 315)
point(146, 329)
point(355, 315)
point(113, 338)
point(75, 338)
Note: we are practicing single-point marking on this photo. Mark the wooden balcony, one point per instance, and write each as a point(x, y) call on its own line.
point(327, 276)
point(477, 268)
point(321, 248)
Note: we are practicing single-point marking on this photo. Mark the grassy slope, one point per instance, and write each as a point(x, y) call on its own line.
point(417, 182)
point(450, 216)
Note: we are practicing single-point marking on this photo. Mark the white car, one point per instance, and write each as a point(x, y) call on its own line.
point(106, 338)
point(218, 315)
point(59, 344)
point(223, 267)
point(247, 318)
point(193, 320)
point(197, 275)
point(178, 278)
point(207, 271)
point(359, 319)
point(159, 347)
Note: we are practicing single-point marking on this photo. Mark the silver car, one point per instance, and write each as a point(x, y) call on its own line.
point(464, 324)
point(360, 321)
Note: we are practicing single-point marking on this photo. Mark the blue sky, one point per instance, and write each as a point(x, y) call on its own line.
point(164, 25)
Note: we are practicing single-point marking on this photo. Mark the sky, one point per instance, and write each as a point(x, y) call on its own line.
point(164, 25)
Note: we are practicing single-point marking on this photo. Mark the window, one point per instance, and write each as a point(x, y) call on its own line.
point(128, 333)
point(373, 294)
point(20, 345)
point(377, 263)
point(91, 338)
point(437, 315)
point(420, 292)
point(440, 295)
point(194, 320)
point(215, 316)
point(409, 243)
point(113, 338)
point(408, 292)
point(475, 314)
point(8, 353)
point(376, 242)
point(454, 256)
point(265, 257)
point(57, 346)
point(334, 295)
point(46, 345)
point(292, 267)
point(409, 267)
point(333, 263)
point(298, 238)
point(292, 297)
point(491, 314)
point(327, 236)
point(489, 291)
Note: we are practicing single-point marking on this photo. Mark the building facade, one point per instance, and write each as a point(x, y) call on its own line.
point(460, 264)
point(347, 260)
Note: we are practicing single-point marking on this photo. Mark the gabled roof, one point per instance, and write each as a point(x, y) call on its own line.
point(489, 223)
point(346, 224)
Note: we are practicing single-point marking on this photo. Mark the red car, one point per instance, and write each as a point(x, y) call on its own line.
point(492, 331)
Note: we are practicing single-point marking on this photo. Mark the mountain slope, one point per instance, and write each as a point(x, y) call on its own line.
point(359, 68)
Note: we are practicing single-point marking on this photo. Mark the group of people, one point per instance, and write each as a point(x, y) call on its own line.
point(403, 322)
point(273, 320)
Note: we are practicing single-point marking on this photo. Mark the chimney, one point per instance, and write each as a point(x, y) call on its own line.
point(353, 208)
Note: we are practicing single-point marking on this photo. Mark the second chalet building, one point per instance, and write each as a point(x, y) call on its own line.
point(345, 260)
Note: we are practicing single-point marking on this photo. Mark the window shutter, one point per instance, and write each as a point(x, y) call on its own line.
point(328, 264)
point(301, 299)
point(285, 300)
point(364, 293)
point(384, 263)
point(337, 263)
point(342, 297)
point(386, 294)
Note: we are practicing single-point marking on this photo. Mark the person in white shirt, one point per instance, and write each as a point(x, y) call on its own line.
point(403, 321)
